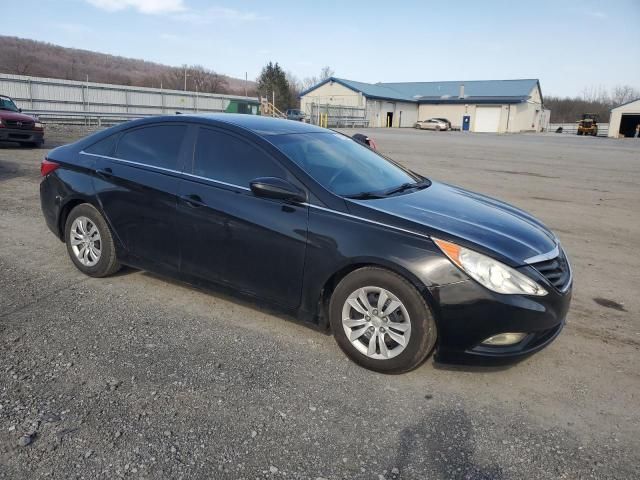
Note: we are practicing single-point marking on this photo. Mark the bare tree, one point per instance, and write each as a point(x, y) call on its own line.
point(595, 93)
point(308, 82)
point(326, 72)
point(623, 94)
point(19, 63)
point(295, 88)
point(205, 80)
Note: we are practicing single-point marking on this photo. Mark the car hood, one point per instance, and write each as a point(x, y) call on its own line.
point(19, 117)
point(479, 221)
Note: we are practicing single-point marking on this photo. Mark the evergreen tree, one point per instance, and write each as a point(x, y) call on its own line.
point(272, 80)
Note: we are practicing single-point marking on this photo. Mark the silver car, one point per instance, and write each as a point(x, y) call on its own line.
point(431, 124)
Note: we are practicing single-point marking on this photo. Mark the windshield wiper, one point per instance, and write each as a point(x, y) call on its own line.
point(406, 186)
point(364, 196)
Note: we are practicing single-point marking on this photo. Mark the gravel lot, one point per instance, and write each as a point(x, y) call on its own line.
point(140, 377)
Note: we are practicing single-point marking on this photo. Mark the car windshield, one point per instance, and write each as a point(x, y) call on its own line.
point(344, 166)
point(7, 104)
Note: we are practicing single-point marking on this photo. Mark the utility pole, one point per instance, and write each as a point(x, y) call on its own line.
point(88, 99)
point(185, 78)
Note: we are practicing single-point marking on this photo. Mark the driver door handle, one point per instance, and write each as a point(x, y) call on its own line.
point(104, 172)
point(193, 200)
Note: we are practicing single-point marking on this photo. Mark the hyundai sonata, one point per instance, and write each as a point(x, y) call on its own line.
point(309, 220)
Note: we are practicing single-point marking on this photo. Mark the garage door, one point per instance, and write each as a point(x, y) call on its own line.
point(487, 119)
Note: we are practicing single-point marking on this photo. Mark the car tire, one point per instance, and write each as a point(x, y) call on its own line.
point(89, 242)
point(395, 349)
point(437, 128)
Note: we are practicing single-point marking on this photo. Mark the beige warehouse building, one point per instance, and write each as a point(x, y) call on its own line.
point(478, 106)
point(624, 119)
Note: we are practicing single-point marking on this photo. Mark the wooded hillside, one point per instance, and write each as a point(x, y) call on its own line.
point(20, 56)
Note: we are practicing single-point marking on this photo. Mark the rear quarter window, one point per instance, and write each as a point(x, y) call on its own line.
point(106, 146)
point(157, 145)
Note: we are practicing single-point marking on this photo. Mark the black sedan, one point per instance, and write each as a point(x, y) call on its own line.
point(315, 223)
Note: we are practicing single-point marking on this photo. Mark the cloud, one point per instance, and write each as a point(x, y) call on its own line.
point(153, 7)
point(177, 10)
point(214, 14)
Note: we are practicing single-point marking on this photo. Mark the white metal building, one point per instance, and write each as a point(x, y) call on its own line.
point(478, 106)
point(624, 119)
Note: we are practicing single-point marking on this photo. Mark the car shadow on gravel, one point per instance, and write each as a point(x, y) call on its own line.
point(9, 170)
point(242, 299)
point(474, 366)
point(444, 440)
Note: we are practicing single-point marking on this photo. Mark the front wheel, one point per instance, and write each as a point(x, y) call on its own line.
point(89, 242)
point(381, 321)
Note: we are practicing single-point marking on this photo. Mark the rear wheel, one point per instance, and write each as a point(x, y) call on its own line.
point(381, 321)
point(89, 242)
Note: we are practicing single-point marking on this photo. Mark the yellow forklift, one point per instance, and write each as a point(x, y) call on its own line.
point(588, 125)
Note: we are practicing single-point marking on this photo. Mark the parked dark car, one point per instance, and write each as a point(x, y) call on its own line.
point(296, 115)
point(314, 223)
point(17, 127)
point(365, 140)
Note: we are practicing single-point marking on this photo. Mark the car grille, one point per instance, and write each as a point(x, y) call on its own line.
point(557, 271)
point(19, 124)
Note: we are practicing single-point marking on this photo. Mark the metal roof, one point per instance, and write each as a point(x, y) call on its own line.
point(626, 103)
point(501, 91)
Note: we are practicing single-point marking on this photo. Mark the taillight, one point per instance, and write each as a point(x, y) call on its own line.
point(47, 166)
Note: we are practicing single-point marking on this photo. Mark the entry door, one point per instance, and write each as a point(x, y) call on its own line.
point(229, 235)
point(137, 188)
point(487, 119)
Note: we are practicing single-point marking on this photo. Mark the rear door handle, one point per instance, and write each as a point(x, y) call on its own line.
point(104, 172)
point(192, 200)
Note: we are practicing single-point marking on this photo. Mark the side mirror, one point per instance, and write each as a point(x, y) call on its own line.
point(277, 188)
point(20, 110)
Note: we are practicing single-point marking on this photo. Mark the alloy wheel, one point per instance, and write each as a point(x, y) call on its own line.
point(85, 240)
point(376, 322)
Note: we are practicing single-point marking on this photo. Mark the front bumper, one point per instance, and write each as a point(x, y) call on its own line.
point(468, 314)
point(21, 135)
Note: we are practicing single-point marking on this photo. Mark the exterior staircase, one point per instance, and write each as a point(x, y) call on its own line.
point(268, 109)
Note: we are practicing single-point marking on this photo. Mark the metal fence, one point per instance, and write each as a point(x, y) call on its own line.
point(337, 115)
point(70, 101)
point(572, 128)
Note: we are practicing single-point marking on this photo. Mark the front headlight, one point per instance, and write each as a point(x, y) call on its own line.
point(38, 125)
point(488, 272)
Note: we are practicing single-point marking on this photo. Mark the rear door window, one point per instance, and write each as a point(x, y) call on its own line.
point(157, 145)
point(106, 146)
point(230, 159)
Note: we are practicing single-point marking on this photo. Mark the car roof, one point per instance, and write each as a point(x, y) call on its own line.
point(258, 124)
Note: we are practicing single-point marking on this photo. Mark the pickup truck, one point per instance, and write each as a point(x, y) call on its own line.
point(15, 126)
